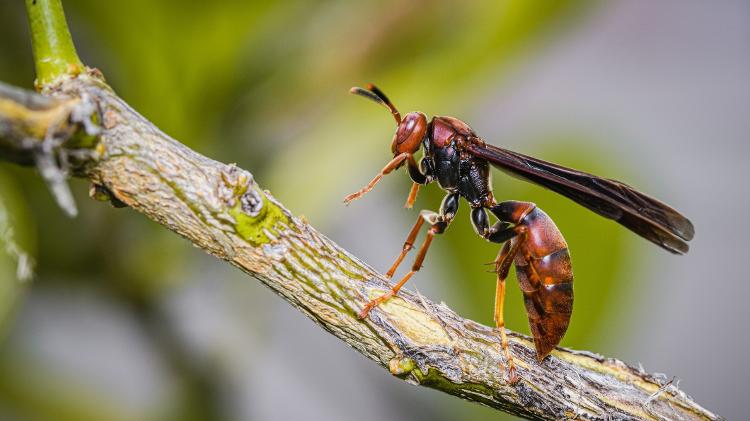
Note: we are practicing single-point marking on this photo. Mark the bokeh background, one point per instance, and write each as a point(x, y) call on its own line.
point(126, 321)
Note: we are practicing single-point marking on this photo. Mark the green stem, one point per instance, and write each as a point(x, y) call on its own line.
point(54, 52)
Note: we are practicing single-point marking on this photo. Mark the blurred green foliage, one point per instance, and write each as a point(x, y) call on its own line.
point(16, 236)
point(264, 84)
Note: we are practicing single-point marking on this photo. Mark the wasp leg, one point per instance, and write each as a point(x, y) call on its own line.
point(502, 267)
point(395, 163)
point(418, 177)
point(513, 236)
point(498, 233)
point(408, 245)
point(438, 223)
point(412, 195)
point(448, 209)
point(437, 228)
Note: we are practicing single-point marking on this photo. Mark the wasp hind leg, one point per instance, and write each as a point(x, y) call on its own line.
point(513, 237)
point(502, 267)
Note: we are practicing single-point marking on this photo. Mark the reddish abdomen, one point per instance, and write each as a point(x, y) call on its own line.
point(545, 275)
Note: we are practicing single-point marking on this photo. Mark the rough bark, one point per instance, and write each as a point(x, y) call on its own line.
point(220, 209)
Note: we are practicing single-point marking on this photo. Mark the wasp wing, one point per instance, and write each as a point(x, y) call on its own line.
point(642, 214)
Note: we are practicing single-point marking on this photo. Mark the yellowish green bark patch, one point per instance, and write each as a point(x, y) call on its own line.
point(253, 228)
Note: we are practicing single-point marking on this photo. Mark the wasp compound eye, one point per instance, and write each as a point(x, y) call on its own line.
point(410, 133)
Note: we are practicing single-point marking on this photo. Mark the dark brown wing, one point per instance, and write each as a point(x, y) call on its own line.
point(644, 215)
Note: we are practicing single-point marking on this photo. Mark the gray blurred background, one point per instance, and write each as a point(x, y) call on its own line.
point(126, 321)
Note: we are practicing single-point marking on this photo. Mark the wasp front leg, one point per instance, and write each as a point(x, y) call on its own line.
point(395, 163)
point(420, 175)
point(438, 224)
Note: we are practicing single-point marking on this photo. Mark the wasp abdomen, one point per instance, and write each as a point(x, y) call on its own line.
point(545, 275)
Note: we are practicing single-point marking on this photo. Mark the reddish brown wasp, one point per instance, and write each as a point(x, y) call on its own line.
point(458, 160)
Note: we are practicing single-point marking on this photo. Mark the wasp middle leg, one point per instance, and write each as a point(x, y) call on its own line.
point(438, 224)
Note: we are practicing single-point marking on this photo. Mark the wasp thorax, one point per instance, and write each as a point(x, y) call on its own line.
point(410, 133)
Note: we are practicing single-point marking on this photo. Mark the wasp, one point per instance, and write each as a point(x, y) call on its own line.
point(459, 160)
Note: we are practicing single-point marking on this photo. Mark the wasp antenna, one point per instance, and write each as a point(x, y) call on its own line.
point(367, 94)
point(374, 94)
point(386, 101)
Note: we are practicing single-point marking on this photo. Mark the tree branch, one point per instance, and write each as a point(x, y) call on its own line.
point(220, 209)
